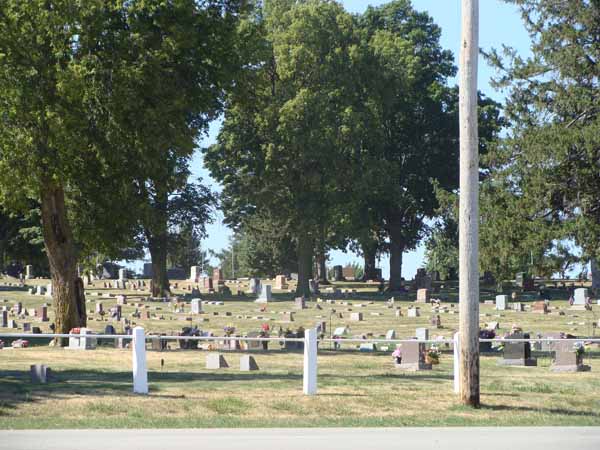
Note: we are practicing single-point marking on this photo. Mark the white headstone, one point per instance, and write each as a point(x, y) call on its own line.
point(580, 296)
point(265, 294)
point(122, 274)
point(196, 306)
point(501, 302)
point(195, 272)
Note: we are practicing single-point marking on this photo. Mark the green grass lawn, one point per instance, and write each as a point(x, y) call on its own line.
point(93, 389)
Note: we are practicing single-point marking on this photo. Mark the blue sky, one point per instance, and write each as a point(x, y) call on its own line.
point(499, 24)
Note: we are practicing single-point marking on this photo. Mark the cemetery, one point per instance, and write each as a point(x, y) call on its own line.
point(224, 383)
point(297, 214)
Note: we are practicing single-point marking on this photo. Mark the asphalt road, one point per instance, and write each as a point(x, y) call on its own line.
point(551, 438)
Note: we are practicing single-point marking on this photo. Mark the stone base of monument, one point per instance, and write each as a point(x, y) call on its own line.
point(573, 368)
point(247, 363)
point(216, 361)
point(413, 367)
point(529, 362)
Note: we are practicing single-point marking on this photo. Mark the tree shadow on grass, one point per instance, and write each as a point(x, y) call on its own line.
point(529, 409)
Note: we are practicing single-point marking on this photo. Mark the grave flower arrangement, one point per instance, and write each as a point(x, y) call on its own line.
point(229, 330)
point(433, 355)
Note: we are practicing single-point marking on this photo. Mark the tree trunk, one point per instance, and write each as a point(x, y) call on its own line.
point(322, 268)
point(68, 296)
point(159, 285)
point(305, 264)
point(369, 255)
point(396, 250)
point(469, 207)
point(595, 270)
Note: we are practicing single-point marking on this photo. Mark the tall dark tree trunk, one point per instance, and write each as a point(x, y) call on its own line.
point(397, 247)
point(595, 270)
point(305, 264)
point(159, 285)
point(68, 296)
point(322, 268)
point(369, 250)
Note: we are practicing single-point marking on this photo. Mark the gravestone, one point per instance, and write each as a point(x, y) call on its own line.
point(248, 363)
point(422, 280)
point(391, 334)
point(356, 317)
point(540, 307)
point(26, 327)
point(422, 334)
point(580, 298)
point(49, 290)
point(17, 308)
point(254, 345)
point(423, 296)
point(218, 276)
point(207, 283)
point(28, 272)
point(40, 290)
point(300, 303)
point(216, 361)
point(99, 308)
point(42, 313)
point(338, 273)
point(280, 282)
point(567, 359)
point(414, 312)
point(121, 299)
point(265, 294)
point(254, 286)
point(517, 353)
point(519, 307)
point(501, 302)
point(3, 319)
point(196, 305)
point(413, 357)
point(122, 274)
point(39, 373)
point(348, 273)
point(195, 272)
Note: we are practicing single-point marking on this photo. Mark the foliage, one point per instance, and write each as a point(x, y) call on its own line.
point(549, 159)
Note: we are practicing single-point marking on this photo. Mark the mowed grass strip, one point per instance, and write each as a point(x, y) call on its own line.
point(93, 390)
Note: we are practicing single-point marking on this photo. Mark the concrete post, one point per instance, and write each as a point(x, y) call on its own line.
point(140, 371)
point(310, 362)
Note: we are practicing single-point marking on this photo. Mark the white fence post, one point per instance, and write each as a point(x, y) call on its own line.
point(456, 363)
point(140, 370)
point(310, 362)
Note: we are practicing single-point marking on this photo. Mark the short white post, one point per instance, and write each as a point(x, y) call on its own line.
point(310, 362)
point(456, 363)
point(140, 371)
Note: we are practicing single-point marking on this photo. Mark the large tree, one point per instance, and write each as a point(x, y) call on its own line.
point(94, 96)
point(412, 139)
point(289, 123)
point(549, 160)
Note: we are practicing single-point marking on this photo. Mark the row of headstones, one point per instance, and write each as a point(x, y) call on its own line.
point(567, 358)
point(581, 299)
point(41, 313)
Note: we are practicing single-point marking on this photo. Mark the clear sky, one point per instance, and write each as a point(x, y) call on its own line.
point(499, 24)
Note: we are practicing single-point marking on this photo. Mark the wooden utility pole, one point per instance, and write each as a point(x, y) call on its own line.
point(469, 206)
